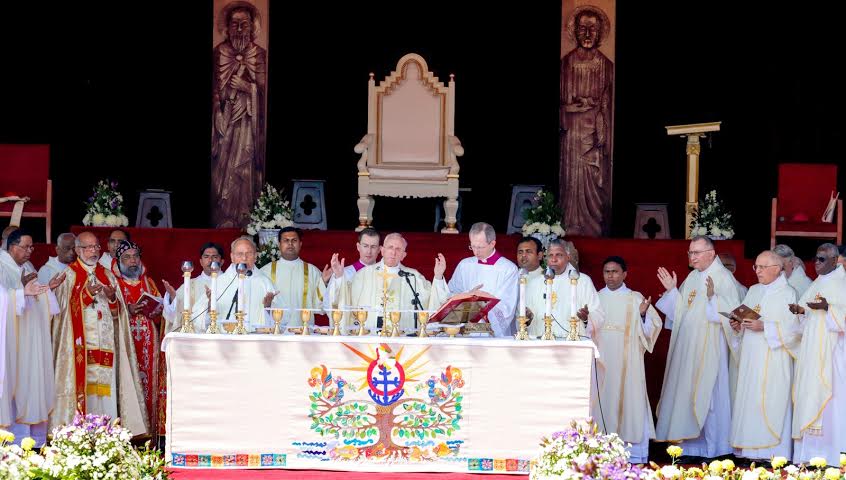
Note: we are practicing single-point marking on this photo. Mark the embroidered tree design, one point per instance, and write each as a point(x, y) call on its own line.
point(370, 428)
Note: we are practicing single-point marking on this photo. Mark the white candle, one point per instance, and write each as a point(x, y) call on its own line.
point(548, 297)
point(186, 294)
point(240, 293)
point(213, 305)
point(522, 304)
point(573, 308)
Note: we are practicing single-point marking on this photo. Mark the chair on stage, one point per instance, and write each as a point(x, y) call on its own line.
point(804, 191)
point(410, 149)
point(27, 174)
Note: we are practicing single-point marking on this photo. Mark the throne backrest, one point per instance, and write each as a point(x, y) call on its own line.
point(27, 169)
point(805, 188)
point(411, 116)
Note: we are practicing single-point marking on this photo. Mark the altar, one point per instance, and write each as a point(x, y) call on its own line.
point(399, 404)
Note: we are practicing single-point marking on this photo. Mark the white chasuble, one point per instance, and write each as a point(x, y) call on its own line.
point(585, 294)
point(760, 427)
point(379, 287)
point(256, 286)
point(626, 336)
point(300, 285)
point(819, 417)
point(695, 405)
point(173, 307)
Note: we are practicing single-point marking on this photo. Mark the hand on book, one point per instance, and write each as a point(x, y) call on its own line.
point(754, 325)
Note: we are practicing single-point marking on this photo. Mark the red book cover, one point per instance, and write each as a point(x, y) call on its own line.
point(148, 303)
point(465, 307)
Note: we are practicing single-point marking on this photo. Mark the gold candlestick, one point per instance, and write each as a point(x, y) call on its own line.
point(573, 336)
point(395, 322)
point(305, 315)
point(361, 316)
point(277, 314)
point(423, 321)
point(523, 332)
point(239, 326)
point(213, 328)
point(187, 323)
point(336, 321)
point(547, 328)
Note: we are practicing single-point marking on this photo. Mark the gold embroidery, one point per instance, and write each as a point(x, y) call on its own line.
point(757, 309)
point(99, 389)
point(554, 299)
point(690, 298)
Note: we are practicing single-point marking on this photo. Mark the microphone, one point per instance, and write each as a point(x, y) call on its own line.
point(234, 303)
point(403, 273)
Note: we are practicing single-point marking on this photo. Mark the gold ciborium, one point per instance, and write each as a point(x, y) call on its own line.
point(423, 321)
point(277, 314)
point(395, 321)
point(336, 322)
point(305, 316)
point(361, 316)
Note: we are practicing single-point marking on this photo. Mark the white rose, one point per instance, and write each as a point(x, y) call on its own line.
point(124, 221)
point(86, 220)
point(98, 219)
point(285, 223)
point(278, 217)
point(251, 230)
point(556, 229)
point(111, 220)
point(715, 231)
point(543, 229)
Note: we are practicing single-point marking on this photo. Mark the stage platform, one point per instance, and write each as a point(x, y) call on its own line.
point(218, 474)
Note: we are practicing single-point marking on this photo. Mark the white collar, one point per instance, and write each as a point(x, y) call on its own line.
point(778, 282)
point(620, 291)
point(296, 260)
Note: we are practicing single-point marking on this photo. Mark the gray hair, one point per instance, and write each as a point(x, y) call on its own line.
point(775, 257)
point(783, 251)
point(66, 235)
point(398, 236)
point(560, 242)
point(479, 227)
point(831, 248)
point(244, 238)
point(703, 238)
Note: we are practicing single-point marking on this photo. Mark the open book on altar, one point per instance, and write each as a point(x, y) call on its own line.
point(469, 307)
point(741, 313)
point(148, 303)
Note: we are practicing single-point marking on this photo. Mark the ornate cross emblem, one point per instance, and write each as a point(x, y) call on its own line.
point(690, 298)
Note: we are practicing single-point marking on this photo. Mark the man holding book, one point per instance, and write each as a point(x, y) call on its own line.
point(144, 305)
point(768, 339)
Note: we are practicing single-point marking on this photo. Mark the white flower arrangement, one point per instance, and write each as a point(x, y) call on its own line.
point(712, 218)
point(95, 447)
point(16, 461)
point(270, 211)
point(544, 220)
point(267, 253)
point(105, 206)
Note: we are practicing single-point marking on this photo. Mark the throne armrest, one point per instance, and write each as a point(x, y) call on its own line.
point(455, 150)
point(363, 148)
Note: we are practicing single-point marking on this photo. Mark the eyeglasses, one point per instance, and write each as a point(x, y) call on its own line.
point(696, 253)
point(821, 259)
point(761, 267)
point(474, 248)
point(89, 247)
point(28, 248)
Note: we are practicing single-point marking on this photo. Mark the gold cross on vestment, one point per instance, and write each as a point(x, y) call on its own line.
point(554, 298)
point(757, 309)
point(690, 298)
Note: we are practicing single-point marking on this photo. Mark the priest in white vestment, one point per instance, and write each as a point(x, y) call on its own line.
point(761, 418)
point(299, 284)
point(586, 301)
point(794, 269)
point(384, 287)
point(174, 299)
point(695, 404)
point(529, 257)
point(96, 368)
point(487, 270)
point(28, 390)
point(64, 257)
point(368, 252)
point(819, 389)
point(108, 260)
point(258, 289)
point(630, 329)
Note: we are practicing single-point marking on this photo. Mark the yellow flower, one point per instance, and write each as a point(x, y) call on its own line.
point(818, 462)
point(832, 474)
point(715, 467)
point(843, 459)
point(6, 437)
point(728, 465)
point(694, 472)
point(27, 443)
point(674, 451)
point(779, 462)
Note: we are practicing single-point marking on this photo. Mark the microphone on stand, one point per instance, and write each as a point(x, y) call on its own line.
point(403, 273)
point(235, 297)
